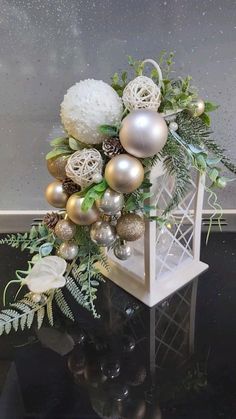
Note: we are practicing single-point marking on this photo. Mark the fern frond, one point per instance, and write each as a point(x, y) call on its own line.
point(21, 314)
point(63, 305)
point(76, 293)
point(49, 311)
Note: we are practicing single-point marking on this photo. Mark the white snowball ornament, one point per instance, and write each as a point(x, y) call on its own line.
point(87, 105)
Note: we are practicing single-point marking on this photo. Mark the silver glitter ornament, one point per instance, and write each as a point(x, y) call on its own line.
point(65, 230)
point(130, 227)
point(111, 202)
point(103, 233)
point(122, 250)
point(173, 126)
point(68, 250)
point(143, 133)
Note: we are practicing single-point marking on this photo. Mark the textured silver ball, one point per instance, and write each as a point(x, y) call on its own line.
point(87, 105)
point(111, 202)
point(143, 133)
point(130, 227)
point(65, 230)
point(197, 107)
point(173, 126)
point(103, 233)
point(122, 251)
point(68, 250)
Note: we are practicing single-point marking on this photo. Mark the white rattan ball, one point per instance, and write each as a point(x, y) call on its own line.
point(87, 105)
point(84, 167)
point(142, 93)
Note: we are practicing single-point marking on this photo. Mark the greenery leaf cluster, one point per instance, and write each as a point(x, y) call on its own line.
point(92, 193)
point(38, 240)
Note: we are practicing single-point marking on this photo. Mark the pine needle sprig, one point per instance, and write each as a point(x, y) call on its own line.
point(192, 130)
point(176, 162)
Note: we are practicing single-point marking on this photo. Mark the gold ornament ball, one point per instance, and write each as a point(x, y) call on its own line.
point(130, 227)
point(55, 194)
point(56, 167)
point(65, 230)
point(143, 133)
point(197, 107)
point(68, 250)
point(77, 215)
point(124, 173)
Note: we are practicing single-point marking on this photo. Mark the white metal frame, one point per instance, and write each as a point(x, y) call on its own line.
point(145, 275)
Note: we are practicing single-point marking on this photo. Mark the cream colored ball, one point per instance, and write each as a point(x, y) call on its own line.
point(87, 105)
point(77, 215)
point(124, 173)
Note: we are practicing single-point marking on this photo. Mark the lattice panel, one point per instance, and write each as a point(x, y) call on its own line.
point(174, 245)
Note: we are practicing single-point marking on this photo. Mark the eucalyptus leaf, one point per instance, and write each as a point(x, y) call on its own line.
point(210, 106)
point(109, 130)
point(58, 151)
point(74, 144)
point(212, 162)
point(213, 174)
point(206, 119)
point(59, 141)
point(45, 249)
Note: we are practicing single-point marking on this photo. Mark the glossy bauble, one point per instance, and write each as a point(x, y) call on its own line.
point(87, 105)
point(77, 215)
point(122, 251)
point(124, 173)
point(173, 126)
point(197, 107)
point(65, 230)
point(130, 227)
point(68, 250)
point(103, 233)
point(143, 133)
point(111, 202)
point(55, 194)
point(56, 167)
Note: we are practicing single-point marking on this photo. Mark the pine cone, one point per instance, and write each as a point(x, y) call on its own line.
point(51, 219)
point(70, 187)
point(112, 147)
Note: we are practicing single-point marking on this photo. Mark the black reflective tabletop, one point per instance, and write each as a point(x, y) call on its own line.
point(175, 360)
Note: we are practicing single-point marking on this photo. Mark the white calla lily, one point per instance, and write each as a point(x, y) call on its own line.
point(46, 274)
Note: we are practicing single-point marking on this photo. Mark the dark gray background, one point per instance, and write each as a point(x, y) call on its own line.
point(46, 46)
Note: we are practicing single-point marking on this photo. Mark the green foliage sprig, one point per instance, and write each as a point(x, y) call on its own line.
point(38, 240)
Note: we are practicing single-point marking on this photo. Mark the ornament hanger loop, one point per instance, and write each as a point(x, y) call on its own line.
point(157, 67)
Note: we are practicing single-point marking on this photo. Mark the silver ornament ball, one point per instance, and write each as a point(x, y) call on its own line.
point(197, 107)
point(124, 173)
point(111, 202)
point(36, 298)
point(68, 250)
point(122, 250)
point(103, 233)
point(173, 126)
point(143, 133)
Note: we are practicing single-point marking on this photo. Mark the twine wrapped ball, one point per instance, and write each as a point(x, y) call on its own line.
point(87, 105)
point(84, 167)
point(142, 93)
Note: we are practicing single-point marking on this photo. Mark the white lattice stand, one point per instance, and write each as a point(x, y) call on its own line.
point(166, 258)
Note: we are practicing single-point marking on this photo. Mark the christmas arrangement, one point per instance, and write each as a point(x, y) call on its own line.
point(114, 135)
